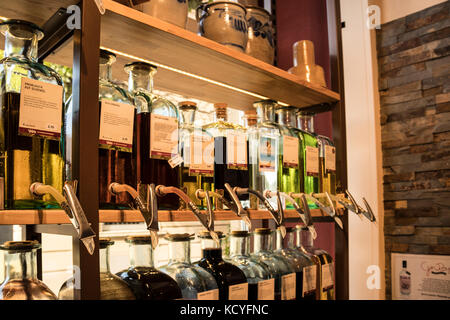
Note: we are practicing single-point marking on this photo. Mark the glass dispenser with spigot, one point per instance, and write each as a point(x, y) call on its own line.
point(21, 281)
point(31, 122)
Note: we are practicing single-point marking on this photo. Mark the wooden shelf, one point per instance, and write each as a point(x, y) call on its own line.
point(136, 34)
point(29, 217)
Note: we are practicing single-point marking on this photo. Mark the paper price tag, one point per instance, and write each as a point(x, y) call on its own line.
point(236, 151)
point(312, 161)
point(208, 295)
point(309, 279)
point(288, 284)
point(238, 292)
point(330, 158)
point(40, 110)
point(201, 155)
point(163, 136)
point(266, 289)
point(290, 152)
point(327, 276)
point(175, 161)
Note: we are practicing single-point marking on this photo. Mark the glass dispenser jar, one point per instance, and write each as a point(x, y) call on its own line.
point(196, 172)
point(322, 259)
point(31, 122)
point(264, 139)
point(116, 160)
point(194, 282)
point(304, 267)
point(256, 273)
point(278, 267)
point(145, 280)
point(21, 282)
point(156, 132)
point(230, 152)
point(111, 286)
point(231, 281)
point(289, 174)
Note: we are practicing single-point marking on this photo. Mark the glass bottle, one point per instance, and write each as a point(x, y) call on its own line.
point(31, 121)
point(322, 259)
point(231, 281)
point(405, 280)
point(263, 152)
point(111, 286)
point(193, 177)
point(254, 271)
point(309, 155)
point(230, 152)
point(305, 269)
point(277, 266)
point(192, 280)
point(289, 173)
point(145, 280)
point(116, 163)
point(156, 132)
point(327, 165)
point(21, 282)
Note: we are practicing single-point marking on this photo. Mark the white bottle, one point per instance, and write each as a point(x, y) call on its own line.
point(405, 280)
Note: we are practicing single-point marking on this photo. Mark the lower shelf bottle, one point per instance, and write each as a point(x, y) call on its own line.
point(147, 282)
point(111, 286)
point(195, 283)
point(21, 282)
point(231, 281)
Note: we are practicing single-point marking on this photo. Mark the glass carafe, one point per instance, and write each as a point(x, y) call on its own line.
point(263, 139)
point(147, 282)
point(289, 173)
point(191, 279)
point(230, 152)
point(309, 155)
point(277, 265)
point(227, 275)
point(323, 260)
point(21, 282)
point(31, 121)
point(304, 267)
point(116, 162)
point(254, 271)
point(196, 172)
point(156, 132)
point(111, 286)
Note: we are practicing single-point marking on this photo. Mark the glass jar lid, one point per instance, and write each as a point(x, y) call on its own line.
point(105, 242)
point(26, 245)
point(178, 237)
point(21, 29)
point(240, 233)
point(141, 66)
point(138, 239)
point(207, 235)
point(263, 231)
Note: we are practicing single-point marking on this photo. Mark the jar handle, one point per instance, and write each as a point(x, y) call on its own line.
point(200, 7)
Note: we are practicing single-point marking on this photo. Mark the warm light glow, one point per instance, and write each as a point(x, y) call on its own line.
point(159, 65)
point(3, 18)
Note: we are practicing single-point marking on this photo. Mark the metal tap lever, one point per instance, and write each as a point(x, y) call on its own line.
point(209, 209)
point(72, 207)
point(147, 207)
point(237, 206)
point(308, 217)
point(275, 215)
point(281, 226)
point(368, 213)
point(206, 220)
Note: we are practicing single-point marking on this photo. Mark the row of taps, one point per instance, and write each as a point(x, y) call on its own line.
point(145, 200)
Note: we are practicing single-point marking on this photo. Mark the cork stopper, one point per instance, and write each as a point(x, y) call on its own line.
point(221, 111)
point(252, 117)
point(187, 104)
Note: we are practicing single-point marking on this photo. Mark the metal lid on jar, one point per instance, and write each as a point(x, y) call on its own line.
point(26, 245)
point(301, 227)
point(178, 237)
point(21, 29)
point(207, 235)
point(240, 233)
point(105, 242)
point(263, 231)
point(138, 239)
point(139, 65)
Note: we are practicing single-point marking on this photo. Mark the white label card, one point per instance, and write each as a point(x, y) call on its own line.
point(309, 279)
point(266, 289)
point(202, 155)
point(288, 284)
point(163, 136)
point(312, 161)
point(238, 292)
point(175, 161)
point(290, 152)
point(236, 151)
point(208, 295)
point(116, 124)
point(267, 154)
point(327, 276)
point(40, 111)
point(330, 158)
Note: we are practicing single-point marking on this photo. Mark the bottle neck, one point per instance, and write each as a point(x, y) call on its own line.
point(104, 260)
point(306, 123)
point(21, 48)
point(105, 71)
point(287, 118)
point(239, 246)
point(278, 240)
point(21, 265)
point(263, 242)
point(188, 116)
point(289, 238)
point(266, 113)
point(140, 80)
point(141, 255)
point(304, 238)
point(179, 251)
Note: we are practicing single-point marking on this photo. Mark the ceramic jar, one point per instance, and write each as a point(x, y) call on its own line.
point(224, 22)
point(260, 42)
point(172, 11)
point(305, 64)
